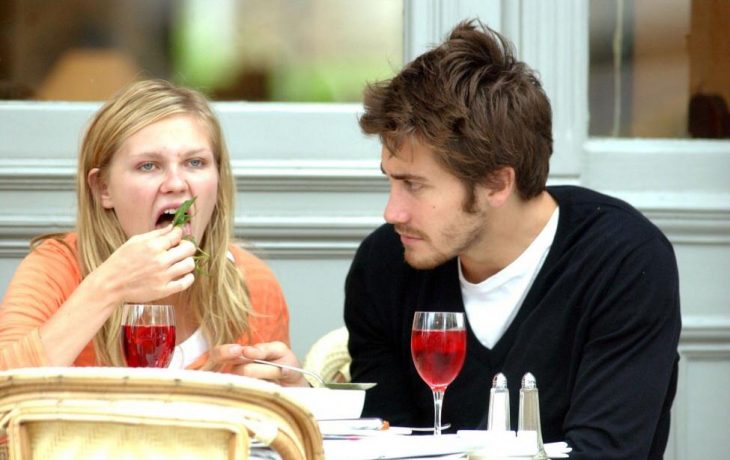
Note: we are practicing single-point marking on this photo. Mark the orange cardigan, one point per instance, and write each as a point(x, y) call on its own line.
point(50, 273)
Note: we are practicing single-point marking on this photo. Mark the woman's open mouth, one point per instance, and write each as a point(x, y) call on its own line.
point(165, 218)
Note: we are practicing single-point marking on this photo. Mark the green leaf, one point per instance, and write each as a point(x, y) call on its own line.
point(182, 216)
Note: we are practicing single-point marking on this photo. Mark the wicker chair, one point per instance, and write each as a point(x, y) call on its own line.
point(329, 357)
point(118, 413)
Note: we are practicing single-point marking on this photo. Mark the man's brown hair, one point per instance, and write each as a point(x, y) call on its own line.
point(475, 104)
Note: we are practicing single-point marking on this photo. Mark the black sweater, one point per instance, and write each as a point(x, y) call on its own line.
point(598, 329)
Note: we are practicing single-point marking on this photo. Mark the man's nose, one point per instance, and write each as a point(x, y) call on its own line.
point(395, 211)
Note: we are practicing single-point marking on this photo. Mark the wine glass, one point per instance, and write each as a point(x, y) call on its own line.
point(438, 348)
point(148, 334)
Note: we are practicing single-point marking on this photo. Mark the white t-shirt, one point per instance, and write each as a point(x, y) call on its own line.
point(492, 304)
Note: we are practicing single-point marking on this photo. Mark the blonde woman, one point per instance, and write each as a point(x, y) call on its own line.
point(148, 150)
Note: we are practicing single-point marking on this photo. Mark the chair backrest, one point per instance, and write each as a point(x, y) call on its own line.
point(125, 413)
point(329, 356)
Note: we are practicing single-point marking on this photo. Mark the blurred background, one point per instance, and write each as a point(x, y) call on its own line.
point(255, 50)
point(651, 75)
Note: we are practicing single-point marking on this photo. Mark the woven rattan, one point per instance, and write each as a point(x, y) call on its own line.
point(117, 413)
point(329, 356)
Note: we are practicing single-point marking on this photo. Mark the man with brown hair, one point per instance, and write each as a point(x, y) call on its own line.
point(576, 287)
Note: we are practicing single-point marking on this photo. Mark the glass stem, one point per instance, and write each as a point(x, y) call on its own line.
point(438, 398)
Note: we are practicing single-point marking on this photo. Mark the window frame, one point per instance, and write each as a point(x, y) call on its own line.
point(275, 145)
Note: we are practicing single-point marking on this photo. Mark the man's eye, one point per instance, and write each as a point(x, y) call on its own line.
point(412, 186)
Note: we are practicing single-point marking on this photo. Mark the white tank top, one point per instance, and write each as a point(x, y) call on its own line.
point(187, 352)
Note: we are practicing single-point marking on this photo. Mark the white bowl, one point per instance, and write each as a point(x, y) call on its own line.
point(327, 404)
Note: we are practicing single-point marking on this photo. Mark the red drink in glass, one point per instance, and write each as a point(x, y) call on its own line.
point(438, 355)
point(438, 349)
point(148, 346)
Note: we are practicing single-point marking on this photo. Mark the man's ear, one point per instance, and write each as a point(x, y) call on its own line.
point(99, 188)
point(501, 185)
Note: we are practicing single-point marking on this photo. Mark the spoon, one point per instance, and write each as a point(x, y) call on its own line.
point(318, 378)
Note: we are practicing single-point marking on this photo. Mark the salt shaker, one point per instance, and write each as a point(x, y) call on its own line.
point(528, 425)
point(498, 417)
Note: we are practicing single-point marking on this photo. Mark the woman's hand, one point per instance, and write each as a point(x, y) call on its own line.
point(239, 358)
point(149, 266)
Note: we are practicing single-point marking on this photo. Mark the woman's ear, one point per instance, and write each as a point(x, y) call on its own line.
point(99, 188)
point(501, 185)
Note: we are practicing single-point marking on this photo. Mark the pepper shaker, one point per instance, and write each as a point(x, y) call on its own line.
point(529, 417)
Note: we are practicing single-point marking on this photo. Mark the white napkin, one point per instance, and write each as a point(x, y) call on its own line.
point(505, 444)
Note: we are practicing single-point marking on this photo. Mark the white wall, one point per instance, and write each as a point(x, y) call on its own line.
point(310, 189)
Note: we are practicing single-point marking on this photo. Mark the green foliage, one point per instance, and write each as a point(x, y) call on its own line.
point(182, 217)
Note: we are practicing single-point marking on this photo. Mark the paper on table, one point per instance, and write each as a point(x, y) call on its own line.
point(393, 447)
point(356, 426)
point(351, 428)
point(553, 450)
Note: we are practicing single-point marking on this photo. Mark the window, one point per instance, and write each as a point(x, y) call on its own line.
point(658, 68)
point(258, 50)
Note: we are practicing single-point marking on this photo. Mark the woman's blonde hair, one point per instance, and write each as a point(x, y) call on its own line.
point(219, 297)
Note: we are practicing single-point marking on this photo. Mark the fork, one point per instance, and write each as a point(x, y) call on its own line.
point(318, 378)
